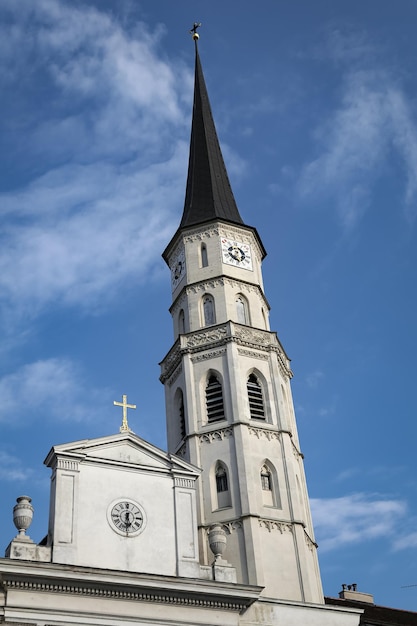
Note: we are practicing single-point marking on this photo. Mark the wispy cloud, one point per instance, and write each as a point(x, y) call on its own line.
point(99, 135)
point(372, 120)
point(354, 519)
point(313, 379)
point(54, 388)
point(13, 469)
point(406, 542)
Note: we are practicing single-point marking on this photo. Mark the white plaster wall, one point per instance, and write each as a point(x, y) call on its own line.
point(96, 544)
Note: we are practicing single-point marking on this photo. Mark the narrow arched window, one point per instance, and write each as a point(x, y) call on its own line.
point(242, 310)
point(256, 401)
point(221, 479)
point(222, 486)
point(204, 257)
point(181, 322)
point(266, 480)
point(208, 310)
point(214, 400)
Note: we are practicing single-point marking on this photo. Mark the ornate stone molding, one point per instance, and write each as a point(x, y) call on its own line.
point(207, 336)
point(258, 341)
point(271, 525)
point(216, 435)
point(264, 432)
point(230, 527)
point(252, 336)
point(170, 362)
point(208, 355)
point(205, 285)
point(202, 233)
point(163, 596)
point(254, 355)
point(188, 483)
point(175, 375)
point(67, 464)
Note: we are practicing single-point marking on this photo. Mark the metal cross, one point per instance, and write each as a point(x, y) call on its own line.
point(124, 427)
point(194, 28)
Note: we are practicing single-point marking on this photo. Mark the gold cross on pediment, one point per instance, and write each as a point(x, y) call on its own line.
point(125, 406)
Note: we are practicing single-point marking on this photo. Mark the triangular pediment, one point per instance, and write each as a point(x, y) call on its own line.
point(125, 449)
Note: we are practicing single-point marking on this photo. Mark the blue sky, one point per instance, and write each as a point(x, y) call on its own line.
point(315, 105)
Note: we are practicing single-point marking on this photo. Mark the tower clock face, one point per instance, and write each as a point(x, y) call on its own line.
point(126, 517)
point(178, 268)
point(236, 253)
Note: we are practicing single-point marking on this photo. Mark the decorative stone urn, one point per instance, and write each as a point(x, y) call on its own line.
point(217, 541)
point(23, 514)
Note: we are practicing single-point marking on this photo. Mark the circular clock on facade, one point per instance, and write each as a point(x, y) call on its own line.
point(236, 253)
point(126, 517)
point(178, 268)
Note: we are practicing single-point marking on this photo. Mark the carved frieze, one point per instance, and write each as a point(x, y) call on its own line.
point(68, 464)
point(175, 375)
point(253, 355)
point(206, 336)
point(208, 355)
point(271, 525)
point(202, 233)
point(229, 527)
point(252, 335)
point(188, 483)
point(216, 435)
point(206, 285)
point(144, 594)
point(264, 432)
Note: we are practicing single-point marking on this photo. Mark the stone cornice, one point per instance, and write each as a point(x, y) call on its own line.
point(258, 340)
point(79, 581)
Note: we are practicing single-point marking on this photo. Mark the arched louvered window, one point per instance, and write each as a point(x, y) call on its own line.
point(204, 257)
point(222, 486)
point(208, 311)
point(256, 402)
point(214, 400)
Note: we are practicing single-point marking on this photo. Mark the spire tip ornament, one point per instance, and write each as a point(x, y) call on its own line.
point(194, 32)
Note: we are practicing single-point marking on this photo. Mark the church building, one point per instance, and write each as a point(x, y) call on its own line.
point(216, 530)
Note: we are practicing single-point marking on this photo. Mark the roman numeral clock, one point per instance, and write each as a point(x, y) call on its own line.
point(236, 253)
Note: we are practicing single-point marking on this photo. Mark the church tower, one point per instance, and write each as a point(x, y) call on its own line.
point(227, 383)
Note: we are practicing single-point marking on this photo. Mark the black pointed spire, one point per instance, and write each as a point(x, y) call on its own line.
point(209, 194)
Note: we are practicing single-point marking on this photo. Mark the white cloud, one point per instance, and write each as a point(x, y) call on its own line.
point(406, 542)
point(355, 142)
point(313, 379)
point(52, 388)
point(102, 155)
point(13, 469)
point(354, 519)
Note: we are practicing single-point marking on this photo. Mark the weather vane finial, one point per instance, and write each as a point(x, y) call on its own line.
point(194, 32)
